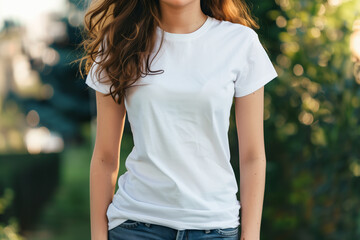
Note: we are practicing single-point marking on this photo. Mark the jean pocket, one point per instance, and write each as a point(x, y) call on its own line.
point(227, 231)
point(129, 224)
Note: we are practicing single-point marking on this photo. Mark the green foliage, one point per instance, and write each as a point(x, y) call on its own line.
point(312, 124)
point(10, 230)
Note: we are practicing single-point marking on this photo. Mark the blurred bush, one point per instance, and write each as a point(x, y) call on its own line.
point(33, 179)
point(8, 231)
point(311, 121)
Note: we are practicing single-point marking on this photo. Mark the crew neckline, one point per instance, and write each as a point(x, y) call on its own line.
point(185, 36)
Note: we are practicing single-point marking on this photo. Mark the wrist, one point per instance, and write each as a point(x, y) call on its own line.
point(247, 236)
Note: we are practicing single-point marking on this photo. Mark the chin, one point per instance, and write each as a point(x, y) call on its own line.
point(177, 3)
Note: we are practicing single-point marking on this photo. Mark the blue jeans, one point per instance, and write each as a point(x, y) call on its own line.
point(135, 230)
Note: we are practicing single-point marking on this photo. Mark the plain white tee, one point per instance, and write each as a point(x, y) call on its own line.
point(179, 173)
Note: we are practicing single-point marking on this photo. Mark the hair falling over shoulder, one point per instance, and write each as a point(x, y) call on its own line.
point(122, 32)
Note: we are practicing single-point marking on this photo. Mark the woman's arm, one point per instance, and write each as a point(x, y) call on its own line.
point(249, 123)
point(104, 165)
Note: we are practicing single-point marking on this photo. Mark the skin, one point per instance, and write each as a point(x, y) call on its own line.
point(104, 166)
point(179, 16)
point(252, 161)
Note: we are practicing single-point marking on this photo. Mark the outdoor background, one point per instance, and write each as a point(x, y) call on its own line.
point(312, 112)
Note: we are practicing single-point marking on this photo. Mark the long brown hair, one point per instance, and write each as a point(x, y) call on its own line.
point(122, 34)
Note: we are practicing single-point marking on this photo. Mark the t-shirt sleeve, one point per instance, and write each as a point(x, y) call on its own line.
point(92, 80)
point(256, 70)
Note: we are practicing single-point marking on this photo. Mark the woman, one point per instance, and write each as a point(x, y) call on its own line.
point(179, 182)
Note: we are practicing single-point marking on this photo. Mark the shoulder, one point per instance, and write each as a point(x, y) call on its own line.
point(234, 31)
point(234, 39)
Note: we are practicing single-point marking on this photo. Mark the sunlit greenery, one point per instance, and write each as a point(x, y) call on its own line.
point(312, 125)
point(10, 230)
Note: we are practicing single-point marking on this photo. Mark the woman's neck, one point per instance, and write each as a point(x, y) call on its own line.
point(177, 18)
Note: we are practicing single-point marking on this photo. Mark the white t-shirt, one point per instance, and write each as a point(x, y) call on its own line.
point(179, 173)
